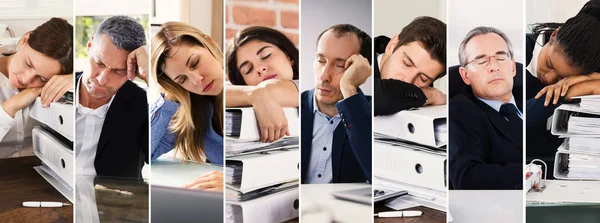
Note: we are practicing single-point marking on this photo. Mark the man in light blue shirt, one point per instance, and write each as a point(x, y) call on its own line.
point(336, 115)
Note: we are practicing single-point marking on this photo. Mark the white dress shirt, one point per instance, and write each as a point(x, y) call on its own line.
point(319, 165)
point(89, 124)
point(13, 131)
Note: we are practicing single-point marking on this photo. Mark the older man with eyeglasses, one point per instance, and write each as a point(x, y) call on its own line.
point(486, 137)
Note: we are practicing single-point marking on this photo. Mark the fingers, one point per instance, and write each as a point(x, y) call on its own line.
point(542, 92)
point(557, 90)
point(349, 61)
point(264, 134)
point(131, 66)
point(549, 93)
point(48, 91)
point(209, 181)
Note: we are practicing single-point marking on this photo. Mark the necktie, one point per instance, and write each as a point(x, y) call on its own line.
point(509, 111)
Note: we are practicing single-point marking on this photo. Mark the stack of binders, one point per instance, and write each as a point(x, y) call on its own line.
point(243, 134)
point(53, 143)
point(410, 152)
point(261, 178)
point(578, 158)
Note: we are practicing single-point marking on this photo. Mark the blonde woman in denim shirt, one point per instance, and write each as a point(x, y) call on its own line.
point(187, 114)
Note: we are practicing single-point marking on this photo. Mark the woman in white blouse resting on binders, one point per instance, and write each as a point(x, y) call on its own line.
point(41, 66)
point(262, 65)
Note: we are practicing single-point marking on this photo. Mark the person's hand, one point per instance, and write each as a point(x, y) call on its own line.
point(584, 88)
point(21, 100)
point(270, 116)
point(211, 181)
point(560, 89)
point(56, 87)
point(137, 64)
point(357, 71)
point(434, 96)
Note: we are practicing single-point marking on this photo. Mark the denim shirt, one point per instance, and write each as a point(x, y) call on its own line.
point(163, 140)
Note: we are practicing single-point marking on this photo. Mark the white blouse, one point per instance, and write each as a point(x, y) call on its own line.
point(14, 132)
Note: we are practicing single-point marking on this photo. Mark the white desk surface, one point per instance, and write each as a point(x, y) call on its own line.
point(317, 204)
point(174, 173)
point(487, 206)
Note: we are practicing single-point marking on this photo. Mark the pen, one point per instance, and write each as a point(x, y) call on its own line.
point(393, 214)
point(43, 204)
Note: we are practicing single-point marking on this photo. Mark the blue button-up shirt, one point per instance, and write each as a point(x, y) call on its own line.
point(319, 166)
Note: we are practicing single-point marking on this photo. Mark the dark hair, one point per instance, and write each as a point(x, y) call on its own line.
point(54, 39)
point(364, 38)
point(431, 34)
point(264, 34)
point(578, 38)
point(125, 32)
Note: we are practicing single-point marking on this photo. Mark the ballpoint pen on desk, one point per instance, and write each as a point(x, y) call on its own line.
point(398, 214)
point(100, 187)
point(43, 204)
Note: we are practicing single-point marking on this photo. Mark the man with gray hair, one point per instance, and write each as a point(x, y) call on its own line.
point(112, 111)
point(486, 140)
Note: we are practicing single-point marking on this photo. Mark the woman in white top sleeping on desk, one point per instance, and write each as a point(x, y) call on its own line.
point(262, 65)
point(42, 66)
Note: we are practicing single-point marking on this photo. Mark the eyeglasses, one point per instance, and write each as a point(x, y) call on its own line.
point(482, 61)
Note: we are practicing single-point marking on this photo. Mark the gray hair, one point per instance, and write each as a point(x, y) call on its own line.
point(481, 30)
point(125, 32)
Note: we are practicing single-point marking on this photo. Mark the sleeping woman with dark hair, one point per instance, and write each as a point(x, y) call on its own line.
point(568, 63)
point(262, 66)
point(563, 61)
point(41, 67)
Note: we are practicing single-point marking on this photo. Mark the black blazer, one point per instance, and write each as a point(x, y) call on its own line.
point(123, 144)
point(484, 152)
point(352, 149)
point(393, 95)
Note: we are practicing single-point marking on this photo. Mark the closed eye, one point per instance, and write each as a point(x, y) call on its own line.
point(265, 57)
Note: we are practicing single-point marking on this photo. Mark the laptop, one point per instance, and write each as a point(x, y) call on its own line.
point(170, 204)
point(362, 195)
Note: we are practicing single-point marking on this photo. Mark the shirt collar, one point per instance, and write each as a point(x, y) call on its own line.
point(497, 104)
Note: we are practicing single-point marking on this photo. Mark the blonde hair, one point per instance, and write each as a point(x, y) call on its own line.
point(189, 119)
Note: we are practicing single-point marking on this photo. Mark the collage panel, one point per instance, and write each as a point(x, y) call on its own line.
point(563, 66)
point(111, 112)
point(186, 111)
point(410, 124)
point(336, 111)
point(262, 121)
point(485, 59)
point(36, 118)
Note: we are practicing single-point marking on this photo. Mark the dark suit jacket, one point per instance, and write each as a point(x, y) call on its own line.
point(123, 144)
point(392, 95)
point(540, 143)
point(351, 152)
point(484, 153)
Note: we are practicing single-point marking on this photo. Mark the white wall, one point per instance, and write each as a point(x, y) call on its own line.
point(464, 15)
point(111, 7)
point(23, 16)
point(318, 15)
point(390, 16)
point(552, 10)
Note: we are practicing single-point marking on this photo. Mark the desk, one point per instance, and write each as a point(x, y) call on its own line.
point(429, 215)
point(325, 208)
point(20, 182)
point(487, 206)
point(111, 200)
point(175, 173)
point(563, 213)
